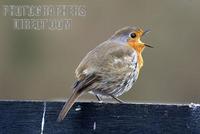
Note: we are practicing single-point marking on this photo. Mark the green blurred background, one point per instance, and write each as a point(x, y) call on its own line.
point(41, 64)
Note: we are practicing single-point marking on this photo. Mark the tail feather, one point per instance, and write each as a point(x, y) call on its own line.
point(68, 105)
point(79, 88)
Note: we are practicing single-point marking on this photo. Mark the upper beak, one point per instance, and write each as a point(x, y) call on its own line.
point(144, 33)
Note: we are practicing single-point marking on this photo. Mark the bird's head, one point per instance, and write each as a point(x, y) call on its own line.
point(132, 37)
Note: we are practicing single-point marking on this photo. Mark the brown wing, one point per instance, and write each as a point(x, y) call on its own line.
point(102, 57)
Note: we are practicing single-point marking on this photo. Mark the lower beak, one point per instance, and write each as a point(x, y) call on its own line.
point(148, 45)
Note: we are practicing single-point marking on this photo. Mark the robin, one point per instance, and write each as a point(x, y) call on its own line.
point(110, 69)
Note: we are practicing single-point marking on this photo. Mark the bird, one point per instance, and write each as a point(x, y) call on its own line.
point(110, 69)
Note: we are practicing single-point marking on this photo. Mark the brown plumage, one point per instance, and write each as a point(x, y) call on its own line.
point(110, 69)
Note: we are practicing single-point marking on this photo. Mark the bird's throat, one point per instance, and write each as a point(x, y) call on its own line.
point(139, 49)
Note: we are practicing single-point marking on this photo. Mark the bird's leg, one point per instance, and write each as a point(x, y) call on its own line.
point(98, 98)
point(117, 99)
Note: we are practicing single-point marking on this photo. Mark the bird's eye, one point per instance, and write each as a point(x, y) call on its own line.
point(132, 35)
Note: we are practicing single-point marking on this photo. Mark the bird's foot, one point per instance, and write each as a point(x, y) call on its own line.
point(117, 99)
point(99, 99)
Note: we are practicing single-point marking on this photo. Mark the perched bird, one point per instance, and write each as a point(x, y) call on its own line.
point(110, 69)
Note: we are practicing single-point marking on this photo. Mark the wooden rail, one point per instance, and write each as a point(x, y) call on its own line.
point(29, 117)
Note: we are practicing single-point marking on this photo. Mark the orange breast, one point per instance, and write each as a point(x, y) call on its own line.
point(138, 48)
point(140, 60)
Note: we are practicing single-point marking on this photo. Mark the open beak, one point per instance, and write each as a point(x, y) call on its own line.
point(144, 33)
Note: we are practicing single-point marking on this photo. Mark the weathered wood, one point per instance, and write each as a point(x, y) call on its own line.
point(20, 117)
point(98, 118)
